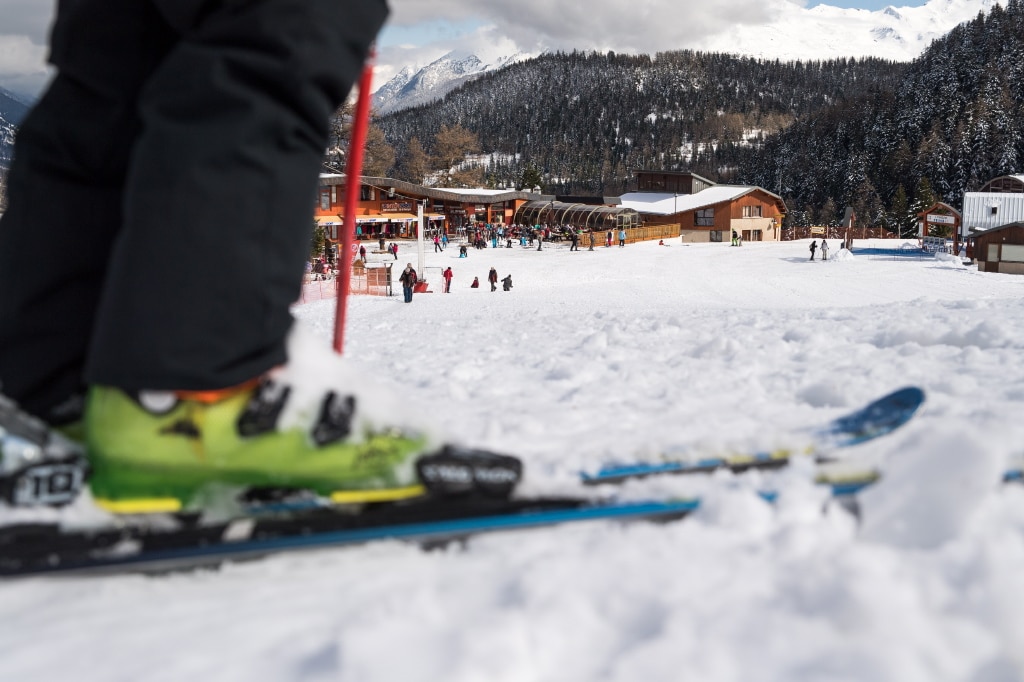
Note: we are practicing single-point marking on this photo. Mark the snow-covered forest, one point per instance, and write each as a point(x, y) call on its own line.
point(586, 120)
point(955, 119)
point(826, 134)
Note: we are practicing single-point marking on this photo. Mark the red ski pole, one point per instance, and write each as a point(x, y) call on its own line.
point(353, 171)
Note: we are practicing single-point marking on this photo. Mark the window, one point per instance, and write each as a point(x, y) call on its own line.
point(751, 211)
point(716, 235)
point(993, 210)
point(365, 193)
point(325, 200)
point(334, 194)
point(993, 253)
point(705, 218)
point(1013, 253)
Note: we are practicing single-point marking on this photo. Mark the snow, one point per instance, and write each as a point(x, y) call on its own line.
point(666, 203)
point(829, 32)
point(615, 354)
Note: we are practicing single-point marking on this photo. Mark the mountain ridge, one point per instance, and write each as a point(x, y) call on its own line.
point(818, 33)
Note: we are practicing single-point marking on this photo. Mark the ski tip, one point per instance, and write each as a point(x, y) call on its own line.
point(909, 396)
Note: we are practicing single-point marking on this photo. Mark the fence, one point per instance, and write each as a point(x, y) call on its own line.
point(794, 233)
point(374, 280)
point(649, 232)
point(318, 290)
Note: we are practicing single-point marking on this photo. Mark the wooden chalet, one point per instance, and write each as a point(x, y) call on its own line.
point(704, 211)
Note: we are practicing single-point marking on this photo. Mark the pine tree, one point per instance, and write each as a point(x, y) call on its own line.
point(530, 178)
point(924, 197)
point(827, 214)
point(902, 219)
point(318, 241)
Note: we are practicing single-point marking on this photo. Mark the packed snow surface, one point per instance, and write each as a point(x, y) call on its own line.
point(613, 355)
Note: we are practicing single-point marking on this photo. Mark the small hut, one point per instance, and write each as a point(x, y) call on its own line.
point(1001, 249)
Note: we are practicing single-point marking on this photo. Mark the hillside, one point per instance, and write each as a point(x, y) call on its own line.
point(12, 108)
point(955, 119)
point(12, 111)
point(586, 119)
point(791, 31)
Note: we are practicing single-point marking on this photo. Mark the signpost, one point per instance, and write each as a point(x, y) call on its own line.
point(420, 250)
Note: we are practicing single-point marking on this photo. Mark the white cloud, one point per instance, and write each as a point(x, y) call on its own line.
point(22, 65)
point(532, 26)
point(639, 26)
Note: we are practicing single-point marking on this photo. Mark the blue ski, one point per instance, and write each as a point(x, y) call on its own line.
point(881, 417)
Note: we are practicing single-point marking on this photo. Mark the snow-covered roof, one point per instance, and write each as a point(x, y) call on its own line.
point(661, 203)
point(473, 192)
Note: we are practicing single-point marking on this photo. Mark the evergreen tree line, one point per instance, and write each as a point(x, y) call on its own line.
point(953, 122)
point(585, 121)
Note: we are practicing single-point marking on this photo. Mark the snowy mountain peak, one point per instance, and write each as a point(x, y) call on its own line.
point(413, 86)
point(796, 33)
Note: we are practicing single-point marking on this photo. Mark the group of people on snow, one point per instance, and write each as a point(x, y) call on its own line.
point(409, 279)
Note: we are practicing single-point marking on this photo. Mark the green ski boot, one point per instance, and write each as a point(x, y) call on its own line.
point(162, 451)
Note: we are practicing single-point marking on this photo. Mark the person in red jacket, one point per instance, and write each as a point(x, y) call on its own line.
point(447, 280)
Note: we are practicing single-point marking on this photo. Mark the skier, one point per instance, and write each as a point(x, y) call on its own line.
point(591, 241)
point(394, 250)
point(506, 283)
point(362, 253)
point(575, 239)
point(437, 244)
point(475, 284)
point(164, 338)
point(622, 238)
point(824, 250)
point(608, 240)
point(408, 279)
point(814, 245)
point(447, 274)
point(492, 277)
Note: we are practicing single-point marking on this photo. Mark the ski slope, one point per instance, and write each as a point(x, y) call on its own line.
point(615, 354)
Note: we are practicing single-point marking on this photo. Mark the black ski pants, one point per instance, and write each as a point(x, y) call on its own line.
point(161, 194)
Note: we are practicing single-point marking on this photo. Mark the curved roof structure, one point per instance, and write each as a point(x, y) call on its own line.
point(590, 216)
point(1005, 183)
